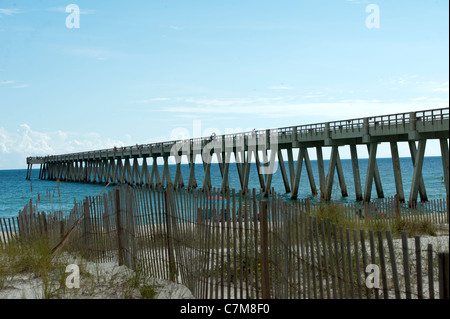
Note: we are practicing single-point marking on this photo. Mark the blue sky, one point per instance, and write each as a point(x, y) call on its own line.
point(136, 71)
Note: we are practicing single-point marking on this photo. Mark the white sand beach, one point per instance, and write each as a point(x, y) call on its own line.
point(97, 281)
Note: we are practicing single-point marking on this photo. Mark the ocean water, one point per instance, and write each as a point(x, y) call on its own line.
point(16, 191)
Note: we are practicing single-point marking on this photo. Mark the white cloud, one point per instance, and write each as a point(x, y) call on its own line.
point(232, 101)
point(84, 51)
point(443, 88)
point(312, 96)
point(178, 28)
point(8, 12)
point(400, 80)
point(13, 84)
point(155, 99)
point(63, 9)
point(5, 82)
point(281, 87)
point(20, 86)
point(422, 98)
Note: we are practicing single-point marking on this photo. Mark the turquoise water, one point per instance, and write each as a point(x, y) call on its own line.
point(16, 191)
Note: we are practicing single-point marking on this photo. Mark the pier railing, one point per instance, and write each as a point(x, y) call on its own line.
point(230, 245)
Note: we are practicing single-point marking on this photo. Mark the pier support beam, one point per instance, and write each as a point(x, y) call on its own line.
point(226, 164)
point(145, 174)
point(178, 180)
point(269, 173)
point(422, 189)
point(330, 175)
point(309, 171)
point(29, 168)
point(192, 182)
point(155, 173)
point(356, 175)
point(283, 171)
point(335, 165)
point(397, 171)
point(417, 175)
point(377, 179)
point(321, 171)
point(341, 177)
point(112, 177)
point(127, 172)
point(135, 173)
point(298, 171)
point(258, 166)
point(370, 171)
point(207, 177)
point(240, 166)
point(75, 173)
point(166, 178)
point(291, 166)
point(246, 169)
point(120, 171)
point(40, 171)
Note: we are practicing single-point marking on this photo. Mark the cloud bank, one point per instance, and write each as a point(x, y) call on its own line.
point(15, 146)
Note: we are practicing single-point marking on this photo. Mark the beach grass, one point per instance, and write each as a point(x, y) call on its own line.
point(337, 214)
point(32, 261)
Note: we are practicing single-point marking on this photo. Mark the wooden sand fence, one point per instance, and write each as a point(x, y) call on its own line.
point(235, 245)
point(31, 224)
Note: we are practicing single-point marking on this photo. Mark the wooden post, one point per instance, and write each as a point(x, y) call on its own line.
point(443, 275)
point(366, 210)
point(131, 242)
point(448, 209)
point(44, 225)
point(61, 229)
point(167, 200)
point(430, 271)
point(397, 207)
point(86, 226)
point(265, 279)
point(118, 227)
